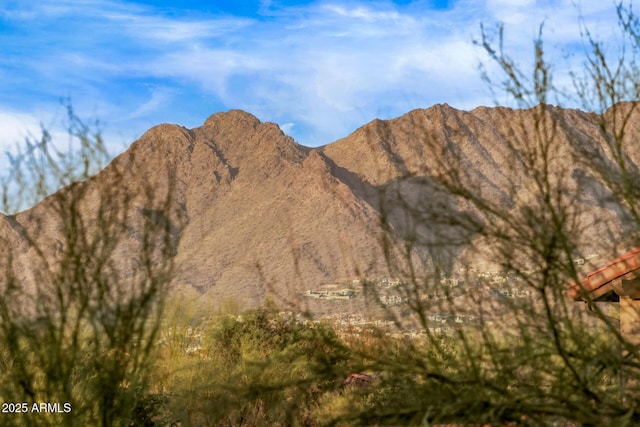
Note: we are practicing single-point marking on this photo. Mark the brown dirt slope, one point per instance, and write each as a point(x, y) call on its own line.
point(262, 216)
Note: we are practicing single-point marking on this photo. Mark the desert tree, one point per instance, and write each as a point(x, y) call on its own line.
point(495, 213)
point(86, 262)
point(459, 232)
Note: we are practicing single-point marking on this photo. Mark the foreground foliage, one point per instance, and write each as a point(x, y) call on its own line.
point(78, 316)
point(76, 328)
point(262, 368)
point(258, 368)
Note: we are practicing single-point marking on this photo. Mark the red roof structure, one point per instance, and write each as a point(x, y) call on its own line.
point(608, 278)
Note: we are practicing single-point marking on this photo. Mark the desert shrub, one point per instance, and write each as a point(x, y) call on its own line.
point(258, 368)
point(78, 313)
point(547, 360)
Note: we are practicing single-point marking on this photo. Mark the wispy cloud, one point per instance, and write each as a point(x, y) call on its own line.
point(322, 68)
point(159, 98)
point(17, 127)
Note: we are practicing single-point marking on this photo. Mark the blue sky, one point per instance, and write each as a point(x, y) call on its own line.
point(319, 69)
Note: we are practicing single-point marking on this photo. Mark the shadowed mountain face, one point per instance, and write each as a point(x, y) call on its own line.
point(262, 216)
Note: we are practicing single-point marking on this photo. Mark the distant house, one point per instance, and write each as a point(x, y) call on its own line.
point(621, 276)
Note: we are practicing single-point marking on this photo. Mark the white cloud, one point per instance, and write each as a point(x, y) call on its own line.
point(362, 12)
point(18, 126)
point(335, 66)
point(287, 127)
point(163, 29)
point(159, 98)
point(15, 127)
point(327, 67)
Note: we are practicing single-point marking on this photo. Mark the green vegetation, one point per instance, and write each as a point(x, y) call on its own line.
point(79, 329)
point(258, 368)
point(262, 368)
point(78, 315)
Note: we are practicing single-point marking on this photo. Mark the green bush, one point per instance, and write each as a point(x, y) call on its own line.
point(259, 368)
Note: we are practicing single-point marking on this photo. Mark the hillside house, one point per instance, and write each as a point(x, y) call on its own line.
point(622, 277)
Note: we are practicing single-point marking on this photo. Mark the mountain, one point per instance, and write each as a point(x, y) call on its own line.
point(261, 216)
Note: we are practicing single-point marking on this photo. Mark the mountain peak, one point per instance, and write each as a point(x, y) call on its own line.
point(233, 118)
point(166, 131)
point(266, 216)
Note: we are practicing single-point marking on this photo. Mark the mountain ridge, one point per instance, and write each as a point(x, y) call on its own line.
point(265, 217)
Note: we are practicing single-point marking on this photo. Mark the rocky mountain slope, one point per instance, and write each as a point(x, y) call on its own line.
point(261, 216)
